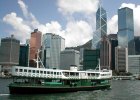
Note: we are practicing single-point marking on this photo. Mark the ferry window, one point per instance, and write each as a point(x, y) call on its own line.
point(33, 71)
point(37, 71)
point(29, 71)
point(51, 72)
point(54, 73)
point(48, 72)
point(71, 73)
point(20, 70)
point(25, 70)
point(57, 73)
point(44, 72)
point(97, 74)
point(92, 74)
point(41, 72)
point(16, 70)
point(88, 74)
point(60, 73)
point(77, 74)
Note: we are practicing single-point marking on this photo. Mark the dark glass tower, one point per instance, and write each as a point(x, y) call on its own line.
point(126, 29)
point(101, 27)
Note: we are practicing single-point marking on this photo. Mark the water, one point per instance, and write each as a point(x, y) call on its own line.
point(121, 90)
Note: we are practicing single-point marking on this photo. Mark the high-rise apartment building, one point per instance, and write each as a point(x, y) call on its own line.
point(126, 29)
point(121, 59)
point(52, 45)
point(101, 27)
point(69, 57)
point(35, 45)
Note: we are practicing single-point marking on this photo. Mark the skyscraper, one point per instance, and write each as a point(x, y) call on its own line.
point(9, 53)
point(24, 55)
point(114, 43)
point(126, 29)
point(101, 27)
point(105, 53)
point(52, 46)
point(35, 45)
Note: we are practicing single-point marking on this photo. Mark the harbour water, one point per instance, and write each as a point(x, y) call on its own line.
point(120, 90)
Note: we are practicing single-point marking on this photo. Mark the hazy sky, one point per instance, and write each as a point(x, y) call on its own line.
point(74, 20)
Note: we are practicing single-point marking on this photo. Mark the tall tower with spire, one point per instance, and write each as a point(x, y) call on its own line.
point(100, 40)
point(101, 27)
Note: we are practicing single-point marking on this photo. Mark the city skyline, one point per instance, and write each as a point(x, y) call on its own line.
point(66, 18)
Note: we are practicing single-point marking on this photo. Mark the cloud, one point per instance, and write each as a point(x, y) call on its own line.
point(78, 6)
point(31, 19)
point(113, 25)
point(21, 29)
point(24, 8)
point(113, 22)
point(77, 32)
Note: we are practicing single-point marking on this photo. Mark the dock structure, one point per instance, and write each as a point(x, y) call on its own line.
point(122, 77)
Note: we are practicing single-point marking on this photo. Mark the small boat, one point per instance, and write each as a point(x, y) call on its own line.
point(28, 80)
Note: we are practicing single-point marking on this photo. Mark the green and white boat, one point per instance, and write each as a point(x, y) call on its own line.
point(28, 80)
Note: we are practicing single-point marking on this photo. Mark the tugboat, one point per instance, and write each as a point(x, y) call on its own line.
point(28, 80)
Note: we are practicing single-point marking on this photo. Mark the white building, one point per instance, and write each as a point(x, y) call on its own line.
point(69, 57)
point(134, 64)
point(121, 59)
point(52, 45)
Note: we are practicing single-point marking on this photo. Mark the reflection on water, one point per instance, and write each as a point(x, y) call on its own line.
point(121, 90)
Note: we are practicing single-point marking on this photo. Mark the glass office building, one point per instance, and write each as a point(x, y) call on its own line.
point(126, 29)
point(52, 45)
point(90, 59)
point(101, 27)
point(24, 55)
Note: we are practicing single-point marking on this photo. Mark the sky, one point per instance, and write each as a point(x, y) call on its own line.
point(74, 20)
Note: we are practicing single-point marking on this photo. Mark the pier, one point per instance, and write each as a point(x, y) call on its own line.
point(123, 77)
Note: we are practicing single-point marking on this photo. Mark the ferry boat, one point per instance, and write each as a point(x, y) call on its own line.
point(28, 80)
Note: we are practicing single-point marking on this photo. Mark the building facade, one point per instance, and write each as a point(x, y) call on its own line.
point(9, 52)
point(105, 53)
point(69, 57)
point(101, 27)
point(137, 45)
point(90, 59)
point(24, 55)
point(126, 29)
point(114, 43)
point(52, 45)
point(134, 64)
point(121, 59)
point(35, 45)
